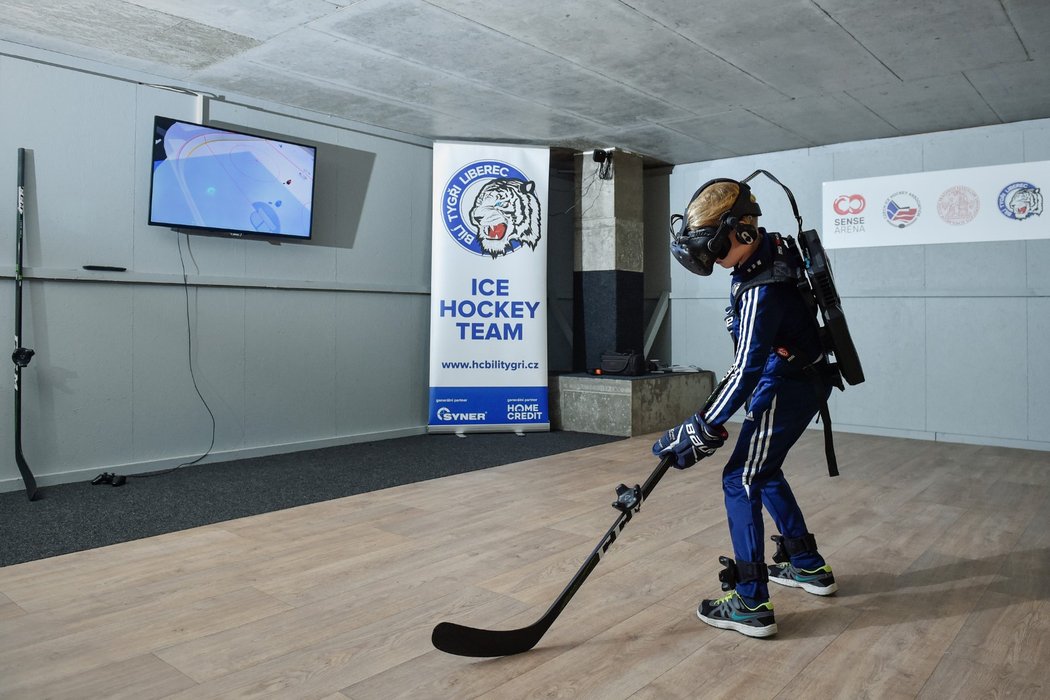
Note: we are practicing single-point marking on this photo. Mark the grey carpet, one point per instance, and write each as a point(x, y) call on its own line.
point(77, 516)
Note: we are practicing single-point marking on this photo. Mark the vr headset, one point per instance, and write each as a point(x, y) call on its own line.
point(698, 249)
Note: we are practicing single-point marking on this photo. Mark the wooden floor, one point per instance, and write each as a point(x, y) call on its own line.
point(942, 553)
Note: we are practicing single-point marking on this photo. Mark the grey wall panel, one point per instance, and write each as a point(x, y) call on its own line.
point(388, 238)
point(77, 391)
point(977, 367)
point(381, 378)
point(1038, 377)
point(80, 173)
point(1036, 143)
point(876, 158)
point(977, 267)
point(287, 260)
point(699, 335)
point(894, 270)
point(966, 149)
point(1037, 272)
point(289, 366)
point(169, 418)
point(890, 335)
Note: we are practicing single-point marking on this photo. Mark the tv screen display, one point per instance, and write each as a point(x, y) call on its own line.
point(219, 180)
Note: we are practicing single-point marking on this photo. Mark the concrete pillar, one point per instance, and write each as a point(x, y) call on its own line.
point(608, 284)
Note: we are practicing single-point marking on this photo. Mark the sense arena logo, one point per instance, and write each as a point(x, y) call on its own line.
point(444, 414)
point(848, 204)
point(490, 208)
point(1020, 201)
point(848, 208)
point(901, 209)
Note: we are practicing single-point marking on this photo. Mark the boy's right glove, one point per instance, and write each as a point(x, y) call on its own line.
point(690, 442)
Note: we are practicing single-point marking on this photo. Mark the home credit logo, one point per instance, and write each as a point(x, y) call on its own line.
point(847, 208)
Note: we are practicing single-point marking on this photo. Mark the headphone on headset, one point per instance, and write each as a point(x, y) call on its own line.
point(698, 249)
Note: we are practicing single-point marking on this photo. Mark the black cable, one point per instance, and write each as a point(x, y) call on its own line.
point(189, 352)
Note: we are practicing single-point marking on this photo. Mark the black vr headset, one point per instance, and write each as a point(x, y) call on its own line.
point(698, 249)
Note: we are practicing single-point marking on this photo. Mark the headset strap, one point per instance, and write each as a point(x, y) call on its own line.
point(791, 197)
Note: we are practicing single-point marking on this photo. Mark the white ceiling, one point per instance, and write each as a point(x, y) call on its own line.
point(675, 80)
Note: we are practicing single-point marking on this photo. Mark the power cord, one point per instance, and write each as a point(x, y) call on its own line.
point(120, 479)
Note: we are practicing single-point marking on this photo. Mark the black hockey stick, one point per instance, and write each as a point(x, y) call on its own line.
point(470, 641)
point(21, 356)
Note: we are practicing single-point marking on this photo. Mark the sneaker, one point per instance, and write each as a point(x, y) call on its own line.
point(816, 581)
point(731, 613)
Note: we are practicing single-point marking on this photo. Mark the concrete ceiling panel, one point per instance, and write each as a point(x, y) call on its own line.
point(830, 118)
point(789, 48)
point(1016, 91)
point(928, 39)
point(263, 83)
point(260, 19)
point(937, 104)
point(127, 30)
point(740, 132)
point(445, 41)
point(622, 44)
point(1031, 19)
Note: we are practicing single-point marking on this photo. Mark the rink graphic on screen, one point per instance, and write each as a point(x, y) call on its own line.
point(209, 178)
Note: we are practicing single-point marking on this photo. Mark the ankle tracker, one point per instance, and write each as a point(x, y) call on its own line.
point(741, 572)
point(788, 547)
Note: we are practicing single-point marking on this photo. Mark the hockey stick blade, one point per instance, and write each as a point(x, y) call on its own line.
point(27, 476)
point(470, 641)
point(461, 640)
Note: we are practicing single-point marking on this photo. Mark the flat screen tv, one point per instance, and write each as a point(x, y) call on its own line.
point(227, 182)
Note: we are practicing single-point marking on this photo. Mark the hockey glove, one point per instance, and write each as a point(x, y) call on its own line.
point(690, 442)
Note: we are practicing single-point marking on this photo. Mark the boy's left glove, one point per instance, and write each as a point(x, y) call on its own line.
point(690, 442)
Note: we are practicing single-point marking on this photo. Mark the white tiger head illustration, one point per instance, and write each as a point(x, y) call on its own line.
point(1025, 202)
point(506, 210)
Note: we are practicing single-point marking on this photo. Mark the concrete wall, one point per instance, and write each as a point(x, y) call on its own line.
point(294, 345)
point(952, 337)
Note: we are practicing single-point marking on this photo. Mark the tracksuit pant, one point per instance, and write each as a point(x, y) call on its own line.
point(778, 411)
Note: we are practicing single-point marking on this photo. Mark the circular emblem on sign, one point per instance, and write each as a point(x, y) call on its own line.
point(1020, 201)
point(958, 205)
point(901, 209)
point(490, 208)
point(848, 204)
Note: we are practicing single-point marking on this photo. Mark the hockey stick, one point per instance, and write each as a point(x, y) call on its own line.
point(21, 356)
point(470, 641)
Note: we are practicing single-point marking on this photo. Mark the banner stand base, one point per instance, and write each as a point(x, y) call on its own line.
point(461, 430)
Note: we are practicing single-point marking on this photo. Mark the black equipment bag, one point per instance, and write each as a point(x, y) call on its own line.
point(631, 364)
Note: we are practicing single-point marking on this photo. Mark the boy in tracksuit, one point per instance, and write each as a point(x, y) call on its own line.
point(778, 354)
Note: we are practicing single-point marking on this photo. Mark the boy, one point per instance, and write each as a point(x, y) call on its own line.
point(778, 353)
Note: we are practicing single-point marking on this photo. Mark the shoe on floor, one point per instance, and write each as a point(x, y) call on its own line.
point(818, 581)
point(731, 613)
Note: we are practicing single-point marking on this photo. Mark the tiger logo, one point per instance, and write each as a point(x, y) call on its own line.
point(1025, 202)
point(506, 214)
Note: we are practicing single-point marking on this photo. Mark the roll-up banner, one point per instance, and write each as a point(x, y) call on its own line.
point(993, 203)
point(488, 316)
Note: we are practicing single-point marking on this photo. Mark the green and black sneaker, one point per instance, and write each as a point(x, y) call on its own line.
point(818, 581)
point(731, 613)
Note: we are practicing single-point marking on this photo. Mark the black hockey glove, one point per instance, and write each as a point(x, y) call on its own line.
point(690, 442)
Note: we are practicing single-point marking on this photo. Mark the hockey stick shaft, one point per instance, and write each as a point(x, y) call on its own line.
point(23, 467)
point(470, 641)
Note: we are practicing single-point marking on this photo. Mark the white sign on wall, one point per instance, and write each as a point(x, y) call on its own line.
point(993, 203)
point(488, 321)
